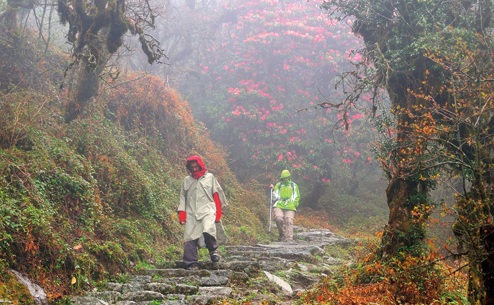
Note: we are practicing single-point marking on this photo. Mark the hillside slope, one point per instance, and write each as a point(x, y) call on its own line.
point(84, 201)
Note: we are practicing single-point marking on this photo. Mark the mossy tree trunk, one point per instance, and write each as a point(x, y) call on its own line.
point(87, 81)
point(402, 234)
point(476, 237)
point(474, 230)
point(406, 194)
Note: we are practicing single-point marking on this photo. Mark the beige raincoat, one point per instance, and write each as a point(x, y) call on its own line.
point(196, 199)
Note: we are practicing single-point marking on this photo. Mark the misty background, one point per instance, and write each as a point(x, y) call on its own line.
point(263, 80)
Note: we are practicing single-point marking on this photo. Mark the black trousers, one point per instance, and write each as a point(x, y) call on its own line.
point(191, 249)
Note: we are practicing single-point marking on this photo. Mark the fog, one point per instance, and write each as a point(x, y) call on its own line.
point(262, 76)
point(264, 79)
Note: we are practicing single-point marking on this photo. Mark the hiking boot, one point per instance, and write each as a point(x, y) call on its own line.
point(215, 257)
point(193, 267)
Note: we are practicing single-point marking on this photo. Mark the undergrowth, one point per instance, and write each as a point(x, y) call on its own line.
point(427, 279)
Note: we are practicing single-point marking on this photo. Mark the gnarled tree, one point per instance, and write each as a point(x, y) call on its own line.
point(442, 105)
point(96, 30)
point(396, 62)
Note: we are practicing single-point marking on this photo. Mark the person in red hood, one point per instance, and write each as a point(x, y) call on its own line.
point(202, 201)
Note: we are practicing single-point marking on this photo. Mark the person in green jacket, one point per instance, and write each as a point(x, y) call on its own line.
point(286, 196)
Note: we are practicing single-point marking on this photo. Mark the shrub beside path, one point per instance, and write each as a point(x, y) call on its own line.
point(261, 274)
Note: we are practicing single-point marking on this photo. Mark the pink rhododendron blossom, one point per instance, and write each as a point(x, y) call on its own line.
point(357, 57)
point(234, 91)
point(291, 45)
point(358, 116)
point(319, 38)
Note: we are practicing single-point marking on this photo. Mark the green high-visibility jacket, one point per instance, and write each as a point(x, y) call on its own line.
point(286, 195)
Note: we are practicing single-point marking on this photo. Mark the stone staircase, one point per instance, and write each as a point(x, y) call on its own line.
point(260, 274)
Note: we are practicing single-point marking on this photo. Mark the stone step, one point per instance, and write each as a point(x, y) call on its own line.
point(245, 273)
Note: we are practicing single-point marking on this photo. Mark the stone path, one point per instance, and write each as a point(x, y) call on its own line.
point(260, 274)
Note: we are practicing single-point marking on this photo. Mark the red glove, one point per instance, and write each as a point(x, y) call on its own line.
point(181, 217)
point(218, 207)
